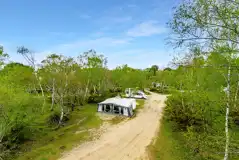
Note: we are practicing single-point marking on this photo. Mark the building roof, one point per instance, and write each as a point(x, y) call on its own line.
point(125, 102)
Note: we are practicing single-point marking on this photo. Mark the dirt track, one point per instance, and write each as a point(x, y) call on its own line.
point(127, 140)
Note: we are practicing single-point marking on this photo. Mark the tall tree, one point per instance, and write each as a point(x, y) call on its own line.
point(3, 56)
point(29, 57)
point(154, 69)
point(212, 24)
point(93, 64)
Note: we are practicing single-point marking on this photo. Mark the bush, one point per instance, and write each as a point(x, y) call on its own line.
point(19, 113)
point(191, 109)
point(97, 98)
point(235, 115)
point(163, 90)
point(53, 118)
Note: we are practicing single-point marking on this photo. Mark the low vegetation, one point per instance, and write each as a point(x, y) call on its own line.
point(50, 144)
point(168, 145)
point(139, 104)
point(117, 119)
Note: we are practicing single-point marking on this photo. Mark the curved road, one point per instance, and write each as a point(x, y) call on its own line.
point(127, 140)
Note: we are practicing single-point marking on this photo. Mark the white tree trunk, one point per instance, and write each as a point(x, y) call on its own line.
point(99, 86)
point(86, 89)
point(42, 92)
point(62, 110)
point(227, 113)
point(182, 101)
point(94, 89)
point(53, 94)
point(36, 90)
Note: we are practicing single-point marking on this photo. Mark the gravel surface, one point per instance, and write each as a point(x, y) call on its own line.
point(124, 141)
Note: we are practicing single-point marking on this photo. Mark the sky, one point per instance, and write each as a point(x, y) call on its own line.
point(132, 32)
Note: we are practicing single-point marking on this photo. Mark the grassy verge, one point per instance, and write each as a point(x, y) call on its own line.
point(139, 104)
point(117, 120)
point(53, 143)
point(146, 92)
point(168, 145)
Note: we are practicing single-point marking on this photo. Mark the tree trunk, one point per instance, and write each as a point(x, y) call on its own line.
point(42, 92)
point(94, 89)
point(182, 101)
point(227, 113)
point(36, 90)
point(99, 86)
point(53, 94)
point(62, 109)
point(86, 89)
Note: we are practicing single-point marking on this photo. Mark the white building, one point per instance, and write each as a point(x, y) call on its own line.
point(120, 106)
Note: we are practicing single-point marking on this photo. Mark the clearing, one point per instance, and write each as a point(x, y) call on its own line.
point(127, 140)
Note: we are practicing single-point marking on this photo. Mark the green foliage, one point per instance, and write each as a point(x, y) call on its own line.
point(191, 108)
point(209, 76)
point(3, 56)
point(96, 98)
point(51, 143)
point(18, 117)
point(169, 145)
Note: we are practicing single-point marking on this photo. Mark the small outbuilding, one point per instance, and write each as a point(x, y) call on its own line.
point(117, 105)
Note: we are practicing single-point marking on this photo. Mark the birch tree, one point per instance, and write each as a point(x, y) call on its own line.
point(3, 56)
point(94, 64)
point(210, 24)
point(29, 57)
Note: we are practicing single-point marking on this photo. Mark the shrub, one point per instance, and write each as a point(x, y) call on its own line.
point(18, 116)
point(54, 118)
point(163, 90)
point(97, 98)
point(191, 108)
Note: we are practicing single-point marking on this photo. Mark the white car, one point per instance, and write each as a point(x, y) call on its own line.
point(140, 95)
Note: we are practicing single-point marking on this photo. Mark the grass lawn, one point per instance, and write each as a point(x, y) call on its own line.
point(53, 143)
point(117, 119)
point(166, 146)
point(140, 104)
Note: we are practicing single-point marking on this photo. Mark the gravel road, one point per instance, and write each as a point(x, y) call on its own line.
point(127, 140)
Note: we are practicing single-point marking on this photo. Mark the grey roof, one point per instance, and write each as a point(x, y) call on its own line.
point(125, 102)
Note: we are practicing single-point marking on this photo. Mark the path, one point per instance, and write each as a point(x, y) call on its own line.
point(127, 140)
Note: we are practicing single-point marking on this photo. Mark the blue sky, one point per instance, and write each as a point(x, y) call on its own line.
point(127, 32)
